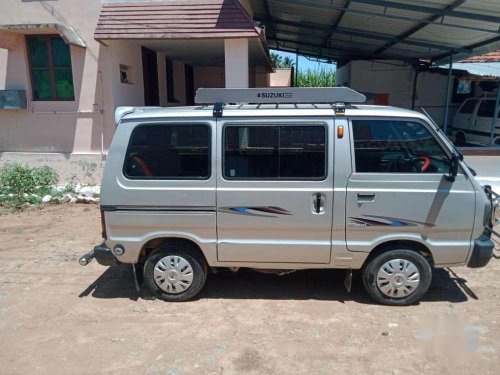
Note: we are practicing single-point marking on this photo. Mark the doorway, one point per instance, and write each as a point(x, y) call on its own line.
point(150, 74)
point(189, 79)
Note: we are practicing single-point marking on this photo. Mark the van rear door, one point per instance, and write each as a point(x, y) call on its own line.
point(274, 190)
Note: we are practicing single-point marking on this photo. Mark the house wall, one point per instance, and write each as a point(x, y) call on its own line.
point(209, 76)
point(395, 78)
point(75, 127)
point(54, 133)
point(281, 78)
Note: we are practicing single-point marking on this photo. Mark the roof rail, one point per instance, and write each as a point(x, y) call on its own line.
point(282, 95)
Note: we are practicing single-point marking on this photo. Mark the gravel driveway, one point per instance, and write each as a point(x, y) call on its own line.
point(57, 317)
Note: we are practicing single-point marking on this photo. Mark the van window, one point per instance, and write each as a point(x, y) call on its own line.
point(385, 146)
point(468, 107)
point(168, 152)
point(275, 152)
point(486, 108)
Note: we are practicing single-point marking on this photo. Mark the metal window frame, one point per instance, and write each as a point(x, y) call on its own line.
point(278, 125)
point(169, 178)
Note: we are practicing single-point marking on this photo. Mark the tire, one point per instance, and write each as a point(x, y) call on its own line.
point(400, 287)
point(175, 273)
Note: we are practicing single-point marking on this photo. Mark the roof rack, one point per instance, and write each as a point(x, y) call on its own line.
point(275, 95)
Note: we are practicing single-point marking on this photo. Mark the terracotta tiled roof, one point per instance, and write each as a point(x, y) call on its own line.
point(486, 58)
point(175, 20)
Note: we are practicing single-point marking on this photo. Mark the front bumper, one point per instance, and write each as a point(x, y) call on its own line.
point(102, 254)
point(482, 252)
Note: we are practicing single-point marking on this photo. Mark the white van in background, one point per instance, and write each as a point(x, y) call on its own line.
point(472, 123)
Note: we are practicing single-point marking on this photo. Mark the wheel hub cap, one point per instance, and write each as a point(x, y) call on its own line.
point(398, 278)
point(173, 274)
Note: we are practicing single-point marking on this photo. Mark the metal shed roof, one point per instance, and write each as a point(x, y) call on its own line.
point(400, 29)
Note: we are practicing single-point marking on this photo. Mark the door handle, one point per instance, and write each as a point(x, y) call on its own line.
point(366, 197)
point(318, 203)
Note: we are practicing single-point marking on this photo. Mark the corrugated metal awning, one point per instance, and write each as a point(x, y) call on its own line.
point(378, 29)
point(68, 33)
point(200, 19)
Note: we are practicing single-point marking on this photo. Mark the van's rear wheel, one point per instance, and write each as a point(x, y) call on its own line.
point(175, 273)
point(397, 277)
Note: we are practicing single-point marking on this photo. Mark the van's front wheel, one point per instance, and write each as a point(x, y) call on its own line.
point(397, 277)
point(175, 273)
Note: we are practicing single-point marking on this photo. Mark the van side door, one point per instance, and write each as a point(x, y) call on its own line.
point(399, 191)
point(274, 190)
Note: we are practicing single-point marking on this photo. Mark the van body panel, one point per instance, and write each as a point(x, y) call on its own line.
point(139, 210)
point(428, 209)
point(133, 229)
point(274, 220)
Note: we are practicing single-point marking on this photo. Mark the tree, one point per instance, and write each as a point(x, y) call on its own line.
point(280, 62)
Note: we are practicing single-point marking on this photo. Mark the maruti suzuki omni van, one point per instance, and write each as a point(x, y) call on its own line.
point(295, 179)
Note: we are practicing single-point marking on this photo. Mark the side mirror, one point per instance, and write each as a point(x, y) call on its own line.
point(455, 161)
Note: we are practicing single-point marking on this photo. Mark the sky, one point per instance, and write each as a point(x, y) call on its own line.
point(305, 63)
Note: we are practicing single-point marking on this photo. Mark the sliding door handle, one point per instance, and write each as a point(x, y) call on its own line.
point(366, 197)
point(318, 203)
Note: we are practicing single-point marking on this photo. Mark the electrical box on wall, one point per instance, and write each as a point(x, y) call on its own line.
point(13, 99)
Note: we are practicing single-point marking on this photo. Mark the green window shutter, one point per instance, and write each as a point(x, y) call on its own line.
point(38, 52)
point(50, 64)
point(63, 76)
point(42, 89)
point(64, 84)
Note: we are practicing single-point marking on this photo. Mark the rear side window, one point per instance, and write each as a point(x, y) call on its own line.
point(486, 108)
point(384, 146)
point(275, 152)
point(168, 152)
point(468, 107)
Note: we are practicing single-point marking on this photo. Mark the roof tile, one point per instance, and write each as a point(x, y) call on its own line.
point(190, 19)
point(488, 57)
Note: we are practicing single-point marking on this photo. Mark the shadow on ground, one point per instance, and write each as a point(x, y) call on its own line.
point(325, 285)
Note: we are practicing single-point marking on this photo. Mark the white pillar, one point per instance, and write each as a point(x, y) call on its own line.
point(236, 62)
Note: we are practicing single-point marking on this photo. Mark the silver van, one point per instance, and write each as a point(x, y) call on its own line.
point(299, 179)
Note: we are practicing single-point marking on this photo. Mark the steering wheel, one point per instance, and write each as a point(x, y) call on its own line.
point(427, 163)
point(411, 159)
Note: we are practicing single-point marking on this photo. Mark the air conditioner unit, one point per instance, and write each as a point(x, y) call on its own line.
point(13, 99)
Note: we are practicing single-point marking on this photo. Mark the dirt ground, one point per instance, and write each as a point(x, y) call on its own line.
point(57, 317)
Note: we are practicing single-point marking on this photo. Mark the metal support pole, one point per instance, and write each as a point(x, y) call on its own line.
point(448, 95)
point(296, 67)
point(495, 115)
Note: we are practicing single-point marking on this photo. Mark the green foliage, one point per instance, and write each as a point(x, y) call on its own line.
point(21, 184)
point(320, 77)
point(281, 62)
